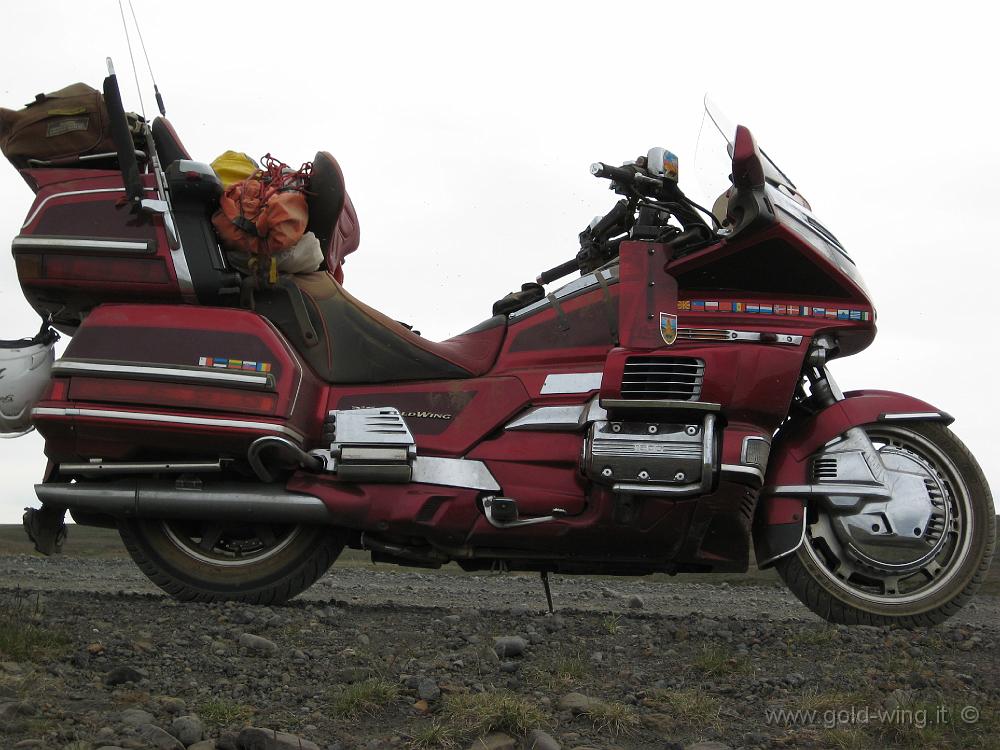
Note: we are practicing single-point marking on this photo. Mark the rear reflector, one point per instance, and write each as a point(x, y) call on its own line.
point(201, 397)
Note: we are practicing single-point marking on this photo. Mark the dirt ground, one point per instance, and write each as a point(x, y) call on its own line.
point(93, 656)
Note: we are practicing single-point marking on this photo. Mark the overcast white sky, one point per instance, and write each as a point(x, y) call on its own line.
point(465, 132)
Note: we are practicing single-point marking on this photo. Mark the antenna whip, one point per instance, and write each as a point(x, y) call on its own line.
point(142, 43)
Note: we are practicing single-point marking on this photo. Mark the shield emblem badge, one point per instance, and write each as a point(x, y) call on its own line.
point(668, 328)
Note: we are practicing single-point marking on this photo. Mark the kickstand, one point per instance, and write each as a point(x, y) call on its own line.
point(548, 591)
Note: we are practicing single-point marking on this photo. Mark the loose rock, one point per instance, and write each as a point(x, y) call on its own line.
point(495, 741)
point(121, 676)
point(188, 729)
point(258, 644)
point(539, 740)
point(510, 646)
point(255, 738)
point(158, 738)
point(135, 716)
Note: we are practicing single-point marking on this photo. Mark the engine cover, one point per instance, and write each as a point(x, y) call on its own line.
point(652, 457)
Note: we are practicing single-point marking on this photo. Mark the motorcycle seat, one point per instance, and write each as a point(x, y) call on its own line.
point(350, 342)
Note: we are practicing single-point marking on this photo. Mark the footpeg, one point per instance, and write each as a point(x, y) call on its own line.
point(502, 513)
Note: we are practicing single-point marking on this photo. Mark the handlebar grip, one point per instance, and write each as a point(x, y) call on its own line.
point(611, 219)
point(624, 176)
point(600, 169)
point(559, 271)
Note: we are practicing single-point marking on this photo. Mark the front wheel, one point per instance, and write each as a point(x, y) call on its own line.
point(864, 568)
point(211, 561)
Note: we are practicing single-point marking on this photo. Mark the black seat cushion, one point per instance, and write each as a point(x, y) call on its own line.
point(357, 344)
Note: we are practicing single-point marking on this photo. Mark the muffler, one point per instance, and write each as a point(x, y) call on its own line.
point(141, 498)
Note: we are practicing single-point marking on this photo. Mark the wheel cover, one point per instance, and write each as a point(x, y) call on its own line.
point(229, 545)
point(909, 548)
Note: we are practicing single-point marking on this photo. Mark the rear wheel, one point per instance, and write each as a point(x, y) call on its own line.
point(879, 566)
point(210, 561)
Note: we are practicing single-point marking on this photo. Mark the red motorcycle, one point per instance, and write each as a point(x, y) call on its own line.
point(656, 414)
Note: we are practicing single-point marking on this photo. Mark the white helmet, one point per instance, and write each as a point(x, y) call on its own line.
point(24, 372)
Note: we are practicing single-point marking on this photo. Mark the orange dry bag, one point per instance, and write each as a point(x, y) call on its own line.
point(265, 213)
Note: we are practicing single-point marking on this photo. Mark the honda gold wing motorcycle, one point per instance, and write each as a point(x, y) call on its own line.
point(663, 411)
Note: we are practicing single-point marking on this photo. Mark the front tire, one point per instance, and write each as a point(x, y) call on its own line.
point(844, 585)
point(212, 561)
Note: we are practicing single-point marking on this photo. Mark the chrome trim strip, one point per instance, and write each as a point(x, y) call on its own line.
point(47, 198)
point(657, 490)
point(140, 467)
point(659, 403)
point(573, 288)
point(833, 488)
point(453, 472)
point(133, 416)
point(745, 448)
point(169, 373)
point(911, 415)
point(553, 418)
point(737, 469)
point(707, 453)
point(726, 335)
point(569, 418)
point(92, 244)
point(571, 382)
point(763, 563)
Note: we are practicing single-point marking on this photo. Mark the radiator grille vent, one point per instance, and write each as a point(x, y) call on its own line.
point(676, 378)
point(825, 469)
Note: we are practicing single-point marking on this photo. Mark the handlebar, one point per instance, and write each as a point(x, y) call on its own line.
point(624, 176)
point(558, 272)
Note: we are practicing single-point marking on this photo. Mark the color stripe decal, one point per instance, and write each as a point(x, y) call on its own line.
point(759, 308)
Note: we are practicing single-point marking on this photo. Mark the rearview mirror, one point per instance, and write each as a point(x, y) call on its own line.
point(662, 163)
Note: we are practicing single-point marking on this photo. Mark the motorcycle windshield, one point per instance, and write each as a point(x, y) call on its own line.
point(713, 168)
point(727, 129)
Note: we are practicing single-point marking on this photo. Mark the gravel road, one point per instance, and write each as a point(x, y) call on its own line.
point(94, 656)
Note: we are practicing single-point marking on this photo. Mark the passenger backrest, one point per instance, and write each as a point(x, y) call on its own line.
point(168, 146)
point(331, 214)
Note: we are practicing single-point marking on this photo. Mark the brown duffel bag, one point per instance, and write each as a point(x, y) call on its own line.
point(63, 125)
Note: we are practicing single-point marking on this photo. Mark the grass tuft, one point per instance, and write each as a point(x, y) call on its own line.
point(363, 698)
point(560, 674)
point(612, 717)
point(687, 709)
point(717, 660)
point(433, 734)
point(223, 713)
point(478, 714)
point(23, 637)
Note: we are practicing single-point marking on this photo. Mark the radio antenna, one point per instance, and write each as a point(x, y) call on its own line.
point(135, 72)
point(142, 43)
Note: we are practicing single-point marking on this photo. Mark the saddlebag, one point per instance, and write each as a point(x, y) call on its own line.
point(61, 126)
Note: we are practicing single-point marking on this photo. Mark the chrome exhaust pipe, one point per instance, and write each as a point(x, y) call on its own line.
point(158, 499)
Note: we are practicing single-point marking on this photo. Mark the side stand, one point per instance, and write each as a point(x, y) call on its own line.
point(548, 591)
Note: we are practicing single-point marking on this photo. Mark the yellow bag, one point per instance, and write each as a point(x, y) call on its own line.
point(233, 166)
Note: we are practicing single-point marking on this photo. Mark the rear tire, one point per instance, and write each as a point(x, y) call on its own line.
point(212, 562)
point(823, 575)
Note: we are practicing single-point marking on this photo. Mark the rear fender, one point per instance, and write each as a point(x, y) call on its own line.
point(779, 522)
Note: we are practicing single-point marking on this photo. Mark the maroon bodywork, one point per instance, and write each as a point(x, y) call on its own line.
point(135, 313)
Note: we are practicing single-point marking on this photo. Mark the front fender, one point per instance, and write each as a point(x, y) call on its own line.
point(779, 522)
